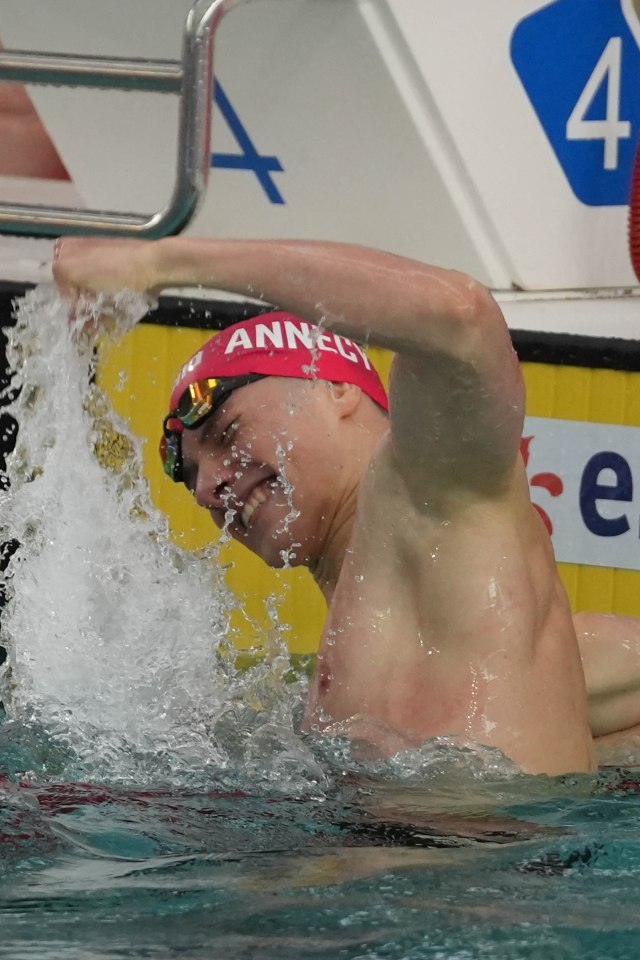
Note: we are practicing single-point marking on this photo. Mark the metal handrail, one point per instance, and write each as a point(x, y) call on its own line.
point(192, 79)
point(156, 76)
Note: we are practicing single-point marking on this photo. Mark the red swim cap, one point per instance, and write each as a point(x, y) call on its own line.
point(280, 344)
point(273, 344)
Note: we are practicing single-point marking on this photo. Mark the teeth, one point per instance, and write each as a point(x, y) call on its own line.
point(257, 497)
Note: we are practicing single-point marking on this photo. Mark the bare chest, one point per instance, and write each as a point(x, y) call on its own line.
point(382, 655)
point(421, 624)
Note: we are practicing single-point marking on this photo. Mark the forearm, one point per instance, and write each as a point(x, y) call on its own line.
point(371, 296)
point(361, 293)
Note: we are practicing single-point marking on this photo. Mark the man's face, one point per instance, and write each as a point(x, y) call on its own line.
point(266, 467)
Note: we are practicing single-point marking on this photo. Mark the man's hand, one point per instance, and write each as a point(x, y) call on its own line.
point(83, 267)
point(107, 283)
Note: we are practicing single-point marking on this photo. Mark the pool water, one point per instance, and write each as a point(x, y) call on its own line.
point(230, 869)
point(157, 801)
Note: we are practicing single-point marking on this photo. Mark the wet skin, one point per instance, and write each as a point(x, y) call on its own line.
point(429, 617)
point(259, 465)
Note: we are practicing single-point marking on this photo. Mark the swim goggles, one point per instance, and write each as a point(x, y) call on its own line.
point(197, 403)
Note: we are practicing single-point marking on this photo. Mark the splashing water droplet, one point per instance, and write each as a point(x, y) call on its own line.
point(116, 637)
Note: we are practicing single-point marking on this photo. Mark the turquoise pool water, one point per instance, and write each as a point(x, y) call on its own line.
point(156, 802)
point(228, 868)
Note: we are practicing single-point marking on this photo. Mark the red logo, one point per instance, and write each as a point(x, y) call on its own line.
point(550, 481)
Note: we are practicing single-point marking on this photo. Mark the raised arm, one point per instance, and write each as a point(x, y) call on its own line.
point(455, 377)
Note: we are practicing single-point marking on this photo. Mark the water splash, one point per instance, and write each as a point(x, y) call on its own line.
point(116, 636)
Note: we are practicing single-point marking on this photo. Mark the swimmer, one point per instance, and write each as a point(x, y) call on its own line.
point(446, 614)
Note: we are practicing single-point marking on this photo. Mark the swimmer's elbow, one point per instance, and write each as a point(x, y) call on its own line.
point(479, 316)
point(473, 322)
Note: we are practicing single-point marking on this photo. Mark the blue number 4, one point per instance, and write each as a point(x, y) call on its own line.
point(249, 158)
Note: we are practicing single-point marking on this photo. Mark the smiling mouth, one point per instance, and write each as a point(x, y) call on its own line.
point(257, 497)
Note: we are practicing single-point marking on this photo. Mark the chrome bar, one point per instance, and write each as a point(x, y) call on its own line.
point(194, 136)
point(23, 66)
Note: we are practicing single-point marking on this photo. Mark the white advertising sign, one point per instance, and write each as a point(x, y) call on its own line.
point(585, 482)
